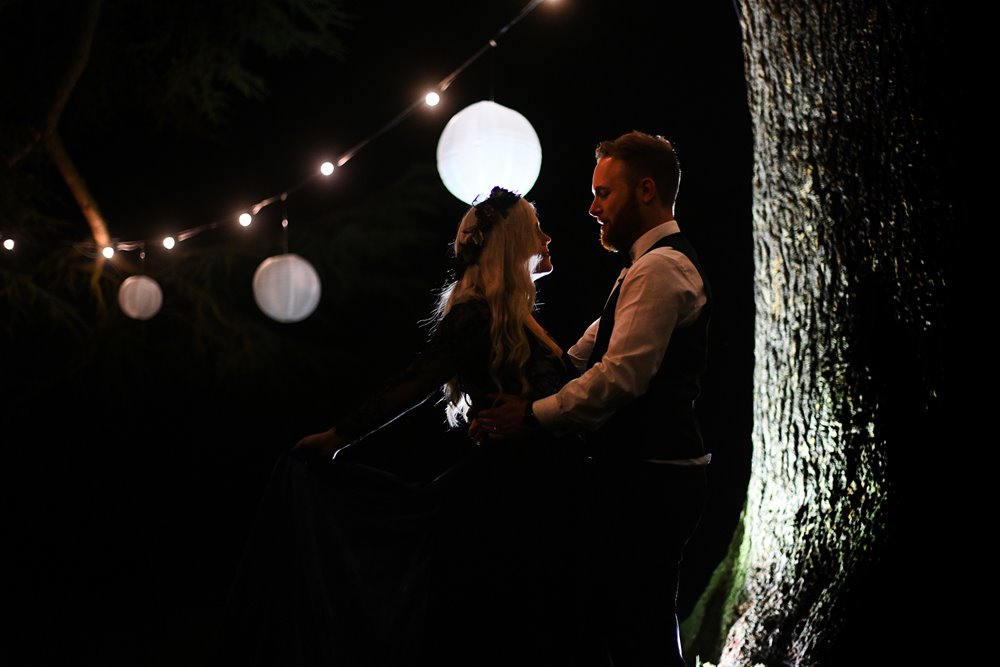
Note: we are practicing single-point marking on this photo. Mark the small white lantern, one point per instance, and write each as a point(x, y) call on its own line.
point(286, 287)
point(486, 144)
point(140, 297)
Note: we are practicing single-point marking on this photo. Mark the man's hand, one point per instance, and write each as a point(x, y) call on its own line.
point(503, 420)
point(326, 444)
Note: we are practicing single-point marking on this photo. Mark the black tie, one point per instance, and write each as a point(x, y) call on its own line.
point(608, 318)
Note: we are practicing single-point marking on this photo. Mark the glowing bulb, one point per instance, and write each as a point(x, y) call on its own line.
point(326, 168)
point(169, 242)
point(432, 99)
point(108, 252)
point(246, 219)
point(8, 244)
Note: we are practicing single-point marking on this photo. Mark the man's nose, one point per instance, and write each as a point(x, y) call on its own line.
point(595, 209)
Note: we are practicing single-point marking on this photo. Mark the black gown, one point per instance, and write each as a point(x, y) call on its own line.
point(480, 565)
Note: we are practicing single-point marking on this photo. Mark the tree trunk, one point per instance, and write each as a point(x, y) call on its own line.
point(849, 207)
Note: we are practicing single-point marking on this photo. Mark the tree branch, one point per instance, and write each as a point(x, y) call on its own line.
point(81, 55)
point(49, 136)
point(74, 181)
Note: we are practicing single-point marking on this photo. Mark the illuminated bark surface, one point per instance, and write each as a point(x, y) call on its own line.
point(850, 201)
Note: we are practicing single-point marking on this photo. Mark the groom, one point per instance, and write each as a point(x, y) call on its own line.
point(641, 367)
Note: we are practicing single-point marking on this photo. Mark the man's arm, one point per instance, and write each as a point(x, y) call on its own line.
point(579, 352)
point(662, 291)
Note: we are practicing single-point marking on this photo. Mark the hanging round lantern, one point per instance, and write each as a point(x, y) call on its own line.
point(486, 144)
point(286, 287)
point(140, 297)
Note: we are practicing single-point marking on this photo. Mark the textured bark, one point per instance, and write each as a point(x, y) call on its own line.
point(848, 214)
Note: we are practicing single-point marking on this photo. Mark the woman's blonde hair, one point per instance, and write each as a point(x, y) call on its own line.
point(495, 249)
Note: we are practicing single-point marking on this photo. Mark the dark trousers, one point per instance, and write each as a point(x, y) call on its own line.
point(644, 515)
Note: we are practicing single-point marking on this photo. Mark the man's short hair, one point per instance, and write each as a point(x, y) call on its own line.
point(646, 155)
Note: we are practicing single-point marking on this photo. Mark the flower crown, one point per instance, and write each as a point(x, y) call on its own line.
point(488, 212)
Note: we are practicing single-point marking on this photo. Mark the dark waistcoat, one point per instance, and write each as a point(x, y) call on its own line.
point(662, 423)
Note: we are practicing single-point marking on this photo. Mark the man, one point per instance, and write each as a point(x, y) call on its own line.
point(641, 366)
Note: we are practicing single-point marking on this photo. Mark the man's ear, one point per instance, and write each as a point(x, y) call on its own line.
point(645, 190)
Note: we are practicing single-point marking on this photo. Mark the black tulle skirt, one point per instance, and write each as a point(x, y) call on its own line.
point(483, 564)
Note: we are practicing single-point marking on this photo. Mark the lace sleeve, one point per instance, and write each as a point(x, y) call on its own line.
point(456, 344)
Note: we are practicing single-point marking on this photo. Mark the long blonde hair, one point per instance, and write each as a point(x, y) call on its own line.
point(495, 248)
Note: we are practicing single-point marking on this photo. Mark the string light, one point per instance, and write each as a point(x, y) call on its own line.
point(430, 99)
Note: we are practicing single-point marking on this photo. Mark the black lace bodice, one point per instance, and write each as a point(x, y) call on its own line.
point(459, 347)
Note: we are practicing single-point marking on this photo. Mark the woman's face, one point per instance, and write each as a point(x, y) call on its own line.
point(541, 263)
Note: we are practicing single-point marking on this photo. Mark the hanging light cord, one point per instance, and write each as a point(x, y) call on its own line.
point(343, 159)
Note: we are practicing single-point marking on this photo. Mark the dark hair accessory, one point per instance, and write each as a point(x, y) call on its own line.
point(488, 213)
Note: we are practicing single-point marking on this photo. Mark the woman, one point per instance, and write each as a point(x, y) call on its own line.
point(500, 250)
point(349, 565)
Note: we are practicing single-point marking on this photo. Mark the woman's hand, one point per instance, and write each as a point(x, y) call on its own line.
point(477, 431)
point(327, 443)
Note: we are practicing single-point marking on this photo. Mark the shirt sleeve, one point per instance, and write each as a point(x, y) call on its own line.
point(662, 291)
point(579, 352)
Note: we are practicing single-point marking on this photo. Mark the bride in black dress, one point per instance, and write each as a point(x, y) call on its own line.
point(348, 564)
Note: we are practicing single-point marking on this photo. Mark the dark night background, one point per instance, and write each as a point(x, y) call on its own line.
point(136, 457)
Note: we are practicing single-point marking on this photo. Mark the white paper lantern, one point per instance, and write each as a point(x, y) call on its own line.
point(286, 287)
point(486, 144)
point(140, 297)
